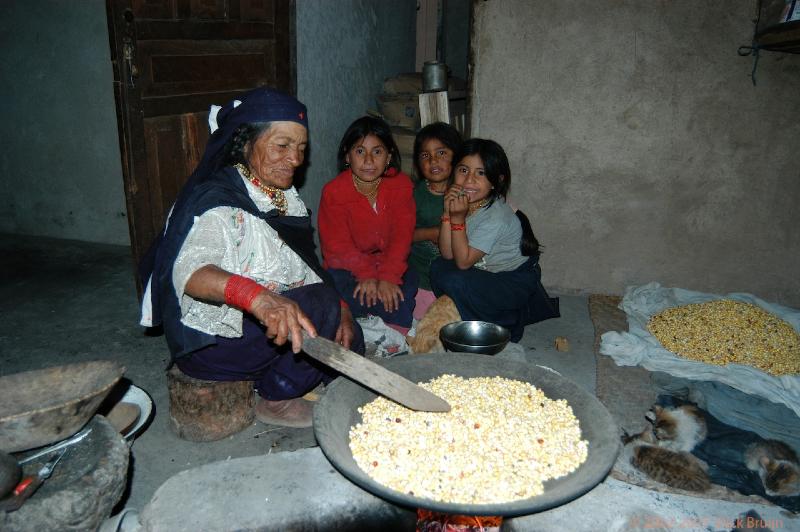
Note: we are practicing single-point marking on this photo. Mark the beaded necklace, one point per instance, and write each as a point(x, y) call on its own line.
point(275, 194)
point(372, 194)
point(435, 192)
point(477, 206)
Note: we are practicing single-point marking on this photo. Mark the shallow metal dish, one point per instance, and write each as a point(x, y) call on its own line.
point(337, 411)
point(44, 406)
point(479, 337)
point(140, 398)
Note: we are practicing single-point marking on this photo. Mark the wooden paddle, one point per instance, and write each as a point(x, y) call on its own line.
point(372, 375)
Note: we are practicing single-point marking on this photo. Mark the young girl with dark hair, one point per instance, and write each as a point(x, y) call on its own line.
point(434, 148)
point(490, 256)
point(366, 221)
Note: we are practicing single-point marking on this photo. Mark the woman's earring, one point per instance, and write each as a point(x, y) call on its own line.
point(347, 165)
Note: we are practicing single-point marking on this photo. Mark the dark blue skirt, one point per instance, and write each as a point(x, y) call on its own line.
point(512, 299)
point(346, 283)
point(278, 373)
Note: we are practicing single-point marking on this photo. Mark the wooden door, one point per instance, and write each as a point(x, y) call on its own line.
point(172, 59)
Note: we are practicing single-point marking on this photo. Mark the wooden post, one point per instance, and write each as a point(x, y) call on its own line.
point(434, 107)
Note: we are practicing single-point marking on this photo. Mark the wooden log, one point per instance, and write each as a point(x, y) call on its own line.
point(201, 410)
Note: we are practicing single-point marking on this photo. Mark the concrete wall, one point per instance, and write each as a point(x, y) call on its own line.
point(639, 146)
point(60, 171)
point(345, 49)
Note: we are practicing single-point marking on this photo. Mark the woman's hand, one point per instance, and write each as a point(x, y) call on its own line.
point(346, 331)
point(390, 295)
point(282, 317)
point(366, 292)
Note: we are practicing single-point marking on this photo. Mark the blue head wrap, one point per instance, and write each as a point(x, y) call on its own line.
point(259, 105)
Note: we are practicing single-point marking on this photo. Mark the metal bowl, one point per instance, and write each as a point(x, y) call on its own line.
point(337, 411)
point(47, 405)
point(480, 337)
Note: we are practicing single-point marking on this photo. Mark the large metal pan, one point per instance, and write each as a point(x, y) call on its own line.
point(337, 411)
point(47, 405)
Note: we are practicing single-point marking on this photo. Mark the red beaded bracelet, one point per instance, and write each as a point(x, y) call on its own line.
point(240, 291)
point(457, 227)
point(445, 219)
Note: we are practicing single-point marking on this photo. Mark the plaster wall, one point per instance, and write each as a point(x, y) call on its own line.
point(60, 171)
point(345, 49)
point(640, 148)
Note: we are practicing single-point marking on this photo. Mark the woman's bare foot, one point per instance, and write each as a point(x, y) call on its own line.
point(295, 413)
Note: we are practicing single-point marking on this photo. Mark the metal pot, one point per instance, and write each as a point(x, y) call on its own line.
point(434, 76)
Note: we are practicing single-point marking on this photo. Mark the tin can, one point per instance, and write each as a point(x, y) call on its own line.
point(434, 76)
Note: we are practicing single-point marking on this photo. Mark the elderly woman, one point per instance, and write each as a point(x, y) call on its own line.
point(234, 278)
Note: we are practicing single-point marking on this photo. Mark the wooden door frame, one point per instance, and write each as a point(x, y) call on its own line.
point(132, 147)
point(131, 113)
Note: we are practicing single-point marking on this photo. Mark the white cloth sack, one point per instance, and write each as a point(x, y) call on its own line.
point(388, 342)
point(639, 347)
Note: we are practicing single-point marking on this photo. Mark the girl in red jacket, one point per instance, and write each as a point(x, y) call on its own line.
point(366, 222)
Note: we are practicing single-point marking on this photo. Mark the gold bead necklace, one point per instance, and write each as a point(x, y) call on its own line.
point(475, 207)
point(372, 192)
point(275, 194)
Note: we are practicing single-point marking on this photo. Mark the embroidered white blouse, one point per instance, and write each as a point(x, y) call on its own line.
point(242, 244)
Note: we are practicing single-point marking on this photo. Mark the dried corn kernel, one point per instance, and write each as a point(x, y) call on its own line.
point(724, 331)
point(501, 440)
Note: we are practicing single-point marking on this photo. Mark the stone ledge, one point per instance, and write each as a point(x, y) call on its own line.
point(301, 490)
point(297, 490)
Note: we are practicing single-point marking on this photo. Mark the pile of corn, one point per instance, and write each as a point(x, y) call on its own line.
point(501, 440)
point(725, 332)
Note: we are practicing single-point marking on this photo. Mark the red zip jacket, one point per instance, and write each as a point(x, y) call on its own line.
point(356, 238)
